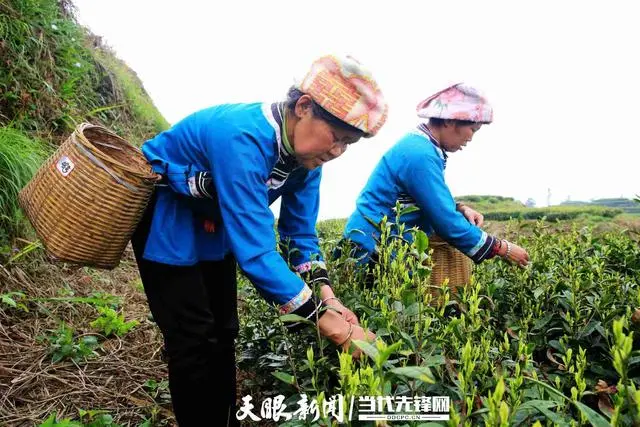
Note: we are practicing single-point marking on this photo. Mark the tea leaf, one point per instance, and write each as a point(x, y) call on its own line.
point(367, 348)
point(421, 373)
point(284, 377)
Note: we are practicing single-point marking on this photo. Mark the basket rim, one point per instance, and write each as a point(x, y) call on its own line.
point(82, 139)
point(436, 240)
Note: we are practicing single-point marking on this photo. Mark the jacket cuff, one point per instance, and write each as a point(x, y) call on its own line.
point(314, 273)
point(485, 249)
point(310, 310)
point(298, 301)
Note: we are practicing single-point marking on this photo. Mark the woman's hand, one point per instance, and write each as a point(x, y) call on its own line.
point(333, 326)
point(333, 303)
point(514, 254)
point(473, 216)
point(358, 333)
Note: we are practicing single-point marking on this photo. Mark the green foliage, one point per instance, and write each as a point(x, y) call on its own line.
point(97, 299)
point(111, 323)
point(96, 418)
point(157, 389)
point(516, 347)
point(13, 300)
point(479, 198)
point(148, 119)
point(45, 68)
point(55, 74)
point(91, 418)
point(626, 205)
point(553, 213)
point(19, 160)
point(486, 203)
point(52, 421)
point(63, 345)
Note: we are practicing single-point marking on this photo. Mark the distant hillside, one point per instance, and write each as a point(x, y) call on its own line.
point(54, 75)
point(488, 203)
point(499, 208)
point(627, 205)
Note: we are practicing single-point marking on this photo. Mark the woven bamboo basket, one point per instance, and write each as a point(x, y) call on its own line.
point(86, 200)
point(448, 263)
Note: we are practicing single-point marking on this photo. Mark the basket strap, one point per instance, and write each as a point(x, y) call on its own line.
point(104, 167)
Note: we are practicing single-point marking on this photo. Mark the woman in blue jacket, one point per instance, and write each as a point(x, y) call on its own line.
point(222, 168)
point(412, 173)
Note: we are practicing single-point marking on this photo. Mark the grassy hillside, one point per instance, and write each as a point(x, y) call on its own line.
point(54, 75)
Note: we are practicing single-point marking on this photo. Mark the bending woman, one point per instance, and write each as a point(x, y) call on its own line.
point(412, 173)
point(222, 167)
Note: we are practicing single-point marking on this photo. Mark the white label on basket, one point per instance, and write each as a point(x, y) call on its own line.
point(65, 165)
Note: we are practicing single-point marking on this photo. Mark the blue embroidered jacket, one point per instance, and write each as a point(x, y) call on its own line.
point(412, 173)
point(241, 146)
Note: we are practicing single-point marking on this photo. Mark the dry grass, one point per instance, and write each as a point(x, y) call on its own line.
point(32, 387)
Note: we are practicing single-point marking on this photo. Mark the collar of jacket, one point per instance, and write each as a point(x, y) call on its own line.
point(285, 151)
point(427, 132)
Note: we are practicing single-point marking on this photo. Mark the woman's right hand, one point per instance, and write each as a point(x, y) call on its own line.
point(333, 326)
point(516, 254)
point(358, 334)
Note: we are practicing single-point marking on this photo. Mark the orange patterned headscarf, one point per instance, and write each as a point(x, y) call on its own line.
point(344, 88)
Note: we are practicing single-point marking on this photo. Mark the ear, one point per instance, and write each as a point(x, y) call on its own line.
point(303, 106)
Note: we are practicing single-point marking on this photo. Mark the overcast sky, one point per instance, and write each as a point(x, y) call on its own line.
point(562, 77)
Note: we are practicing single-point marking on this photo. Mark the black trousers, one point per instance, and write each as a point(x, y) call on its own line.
point(196, 310)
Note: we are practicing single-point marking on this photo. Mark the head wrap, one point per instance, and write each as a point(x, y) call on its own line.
point(344, 88)
point(457, 102)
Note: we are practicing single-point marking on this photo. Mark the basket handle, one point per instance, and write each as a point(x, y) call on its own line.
point(104, 144)
point(104, 167)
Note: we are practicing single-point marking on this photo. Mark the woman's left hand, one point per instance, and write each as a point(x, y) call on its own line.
point(473, 216)
point(331, 301)
point(347, 314)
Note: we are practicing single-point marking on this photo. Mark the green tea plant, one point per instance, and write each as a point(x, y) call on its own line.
point(90, 418)
point(157, 389)
point(554, 213)
point(52, 421)
point(63, 345)
point(110, 322)
point(541, 345)
point(13, 300)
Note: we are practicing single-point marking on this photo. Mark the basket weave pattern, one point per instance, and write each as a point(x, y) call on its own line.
point(448, 262)
point(86, 200)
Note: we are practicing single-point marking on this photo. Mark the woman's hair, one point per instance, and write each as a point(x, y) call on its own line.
point(292, 99)
point(438, 123)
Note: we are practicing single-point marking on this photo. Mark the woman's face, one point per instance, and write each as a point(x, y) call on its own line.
point(454, 136)
point(316, 142)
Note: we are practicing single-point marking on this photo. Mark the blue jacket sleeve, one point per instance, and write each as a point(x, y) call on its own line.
point(423, 178)
point(180, 178)
point(297, 229)
point(238, 174)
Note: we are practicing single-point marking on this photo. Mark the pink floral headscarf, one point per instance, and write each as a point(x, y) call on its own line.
point(457, 102)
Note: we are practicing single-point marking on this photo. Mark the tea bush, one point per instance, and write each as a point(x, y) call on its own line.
point(555, 343)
